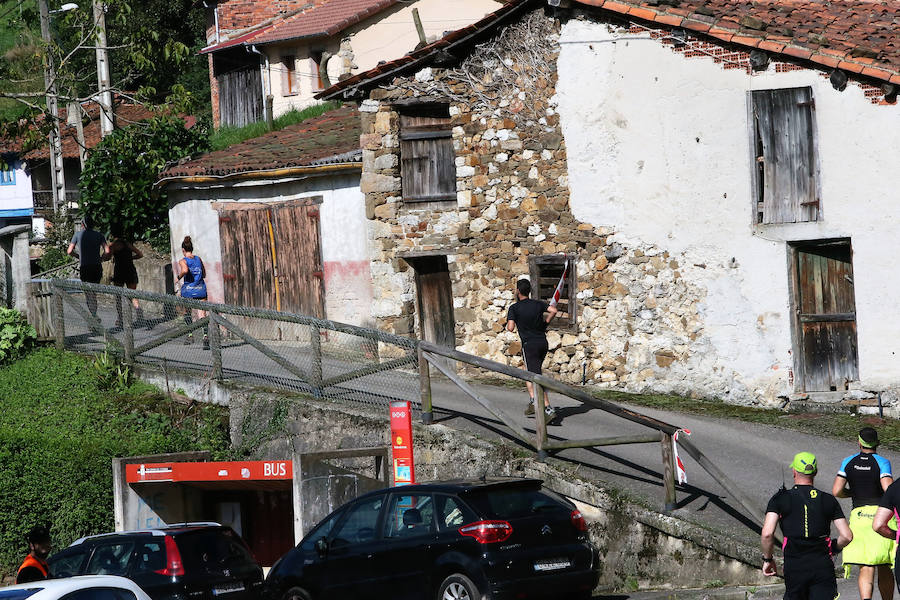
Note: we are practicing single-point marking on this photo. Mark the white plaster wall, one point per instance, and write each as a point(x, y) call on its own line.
point(659, 150)
point(385, 37)
point(343, 229)
point(395, 35)
point(18, 195)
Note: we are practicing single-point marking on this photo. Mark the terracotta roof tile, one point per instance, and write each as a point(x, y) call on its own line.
point(322, 20)
point(313, 141)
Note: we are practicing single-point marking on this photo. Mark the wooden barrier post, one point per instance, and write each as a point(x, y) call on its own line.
point(425, 388)
point(315, 376)
point(668, 459)
point(215, 345)
point(59, 321)
point(540, 419)
point(128, 327)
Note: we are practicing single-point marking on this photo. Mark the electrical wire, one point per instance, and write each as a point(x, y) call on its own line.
point(12, 8)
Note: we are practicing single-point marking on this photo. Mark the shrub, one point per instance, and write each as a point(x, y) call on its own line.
point(17, 336)
point(59, 233)
point(59, 433)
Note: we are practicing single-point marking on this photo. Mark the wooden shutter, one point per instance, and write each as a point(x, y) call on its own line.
point(427, 158)
point(288, 76)
point(545, 272)
point(786, 162)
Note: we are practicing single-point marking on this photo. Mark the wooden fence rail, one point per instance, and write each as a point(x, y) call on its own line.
point(51, 296)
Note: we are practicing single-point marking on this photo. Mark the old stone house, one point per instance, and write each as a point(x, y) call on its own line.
point(285, 51)
point(716, 173)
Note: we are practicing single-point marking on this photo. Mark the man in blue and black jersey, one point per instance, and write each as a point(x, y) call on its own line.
point(864, 477)
point(806, 515)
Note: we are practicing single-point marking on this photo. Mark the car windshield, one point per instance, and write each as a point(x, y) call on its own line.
point(18, 594)
point(509, 503)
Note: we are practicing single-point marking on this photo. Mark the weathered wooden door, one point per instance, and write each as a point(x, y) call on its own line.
point(247, 271)
point(434, 296)
point(826, 315)
point(300, 270)
point(271, 256)
point(240, 96)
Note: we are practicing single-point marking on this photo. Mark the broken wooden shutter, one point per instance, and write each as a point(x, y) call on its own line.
point(427, 158)
point(785, 171)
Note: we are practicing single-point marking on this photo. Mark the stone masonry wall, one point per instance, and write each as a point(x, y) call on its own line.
point(638, 326)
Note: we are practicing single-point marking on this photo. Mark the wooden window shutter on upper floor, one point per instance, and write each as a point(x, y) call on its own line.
point(289, 86)
point(785, 169)
point(427, 157)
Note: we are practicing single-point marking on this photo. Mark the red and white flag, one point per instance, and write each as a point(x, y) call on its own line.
point(680, 473)
point(559, 287)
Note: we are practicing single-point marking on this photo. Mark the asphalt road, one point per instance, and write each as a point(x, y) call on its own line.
point(754, 456)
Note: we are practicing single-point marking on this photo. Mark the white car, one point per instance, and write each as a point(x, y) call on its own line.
point(84, 587)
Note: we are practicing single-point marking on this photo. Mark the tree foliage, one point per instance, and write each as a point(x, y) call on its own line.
point(116, 184)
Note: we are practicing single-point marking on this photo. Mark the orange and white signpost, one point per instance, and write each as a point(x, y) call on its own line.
point(402, 443)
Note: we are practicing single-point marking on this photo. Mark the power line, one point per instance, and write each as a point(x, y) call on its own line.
point(12, 8)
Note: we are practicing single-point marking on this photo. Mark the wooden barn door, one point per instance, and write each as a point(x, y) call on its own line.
point(271, 256)
point(247, 271)
point(434, 297)
point(301, 274)
point(240, 97)
point(826, 309)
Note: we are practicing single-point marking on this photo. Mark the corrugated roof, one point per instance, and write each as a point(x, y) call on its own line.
point(331, 138)
point(857, 36)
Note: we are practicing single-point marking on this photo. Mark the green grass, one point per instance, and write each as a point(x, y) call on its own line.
point(58, 434)
point(228, 136)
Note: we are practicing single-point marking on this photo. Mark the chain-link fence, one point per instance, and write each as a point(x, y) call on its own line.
point(230, 343)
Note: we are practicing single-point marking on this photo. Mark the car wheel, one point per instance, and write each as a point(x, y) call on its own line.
point(295, 593)
point(458, 587)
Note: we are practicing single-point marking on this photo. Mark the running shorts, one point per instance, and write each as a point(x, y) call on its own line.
point(809, 578)
point(534, 352)
point(91, 273)
point(868, 546)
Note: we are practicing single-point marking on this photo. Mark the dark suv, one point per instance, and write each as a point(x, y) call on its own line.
point(193, 561)
point(454, 540)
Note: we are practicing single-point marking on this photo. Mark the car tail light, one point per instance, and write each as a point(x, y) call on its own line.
point(174, 564)
point(578, 520)
point(488, 532)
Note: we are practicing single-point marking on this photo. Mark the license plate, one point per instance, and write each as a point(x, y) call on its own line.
point(553, 564)
point(228, 588)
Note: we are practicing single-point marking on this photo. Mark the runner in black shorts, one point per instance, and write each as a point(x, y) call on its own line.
point(528, 316)
point(806, 515)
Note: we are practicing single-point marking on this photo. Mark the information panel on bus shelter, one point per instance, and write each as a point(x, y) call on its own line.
point(402, 444)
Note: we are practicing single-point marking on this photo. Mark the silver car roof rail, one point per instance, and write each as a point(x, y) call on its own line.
point(150, 531)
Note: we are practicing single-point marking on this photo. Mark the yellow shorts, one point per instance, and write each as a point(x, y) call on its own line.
point(868, 546)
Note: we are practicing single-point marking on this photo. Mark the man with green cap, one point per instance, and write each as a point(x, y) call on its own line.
point(806, 515)
point(864, 477)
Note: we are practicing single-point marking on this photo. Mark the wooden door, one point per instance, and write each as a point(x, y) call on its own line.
point(826, 310)
point(247, 271)
point(300, 269)
point(240, 96)
point(434, 296)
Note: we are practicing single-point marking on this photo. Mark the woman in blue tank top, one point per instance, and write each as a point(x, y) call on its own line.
point(192, 271)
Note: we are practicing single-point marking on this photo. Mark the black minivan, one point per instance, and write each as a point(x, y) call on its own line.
point(192, 561)
point(455, 540)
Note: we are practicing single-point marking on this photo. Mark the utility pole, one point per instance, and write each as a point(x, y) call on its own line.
point(57, 175)
point(103, 83)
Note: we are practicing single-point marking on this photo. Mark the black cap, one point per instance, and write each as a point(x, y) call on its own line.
point(868, 437)
point(38, 534)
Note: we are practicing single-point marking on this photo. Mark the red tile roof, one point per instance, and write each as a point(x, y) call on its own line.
point(322, 20)
point(332, 138)
point(419, 58)
point(861, 34)
point(858, 36)
point(126, 114)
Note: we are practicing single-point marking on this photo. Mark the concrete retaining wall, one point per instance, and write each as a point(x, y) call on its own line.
point(639, 547)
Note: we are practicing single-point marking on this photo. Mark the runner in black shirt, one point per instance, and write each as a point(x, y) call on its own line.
point(864, 477)
point(528, 316)
point(806, 515)
point(887, 509)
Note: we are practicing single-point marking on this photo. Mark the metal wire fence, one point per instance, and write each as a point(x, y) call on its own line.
point(229, 343)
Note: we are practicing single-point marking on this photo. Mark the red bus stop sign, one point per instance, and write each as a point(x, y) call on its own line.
point(402, 443)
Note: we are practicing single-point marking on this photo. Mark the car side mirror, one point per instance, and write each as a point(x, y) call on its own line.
point(322, 546)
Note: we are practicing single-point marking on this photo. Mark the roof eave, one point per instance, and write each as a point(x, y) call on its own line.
point(302, 171)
